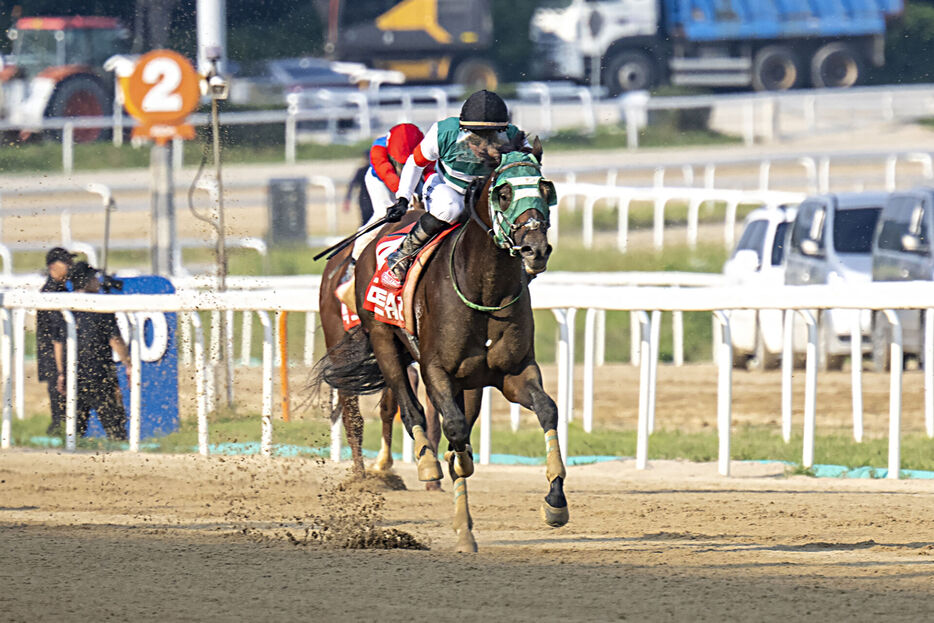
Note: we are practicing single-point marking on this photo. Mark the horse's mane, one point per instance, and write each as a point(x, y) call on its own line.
point(488, 146)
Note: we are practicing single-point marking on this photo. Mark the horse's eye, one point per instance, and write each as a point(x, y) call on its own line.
point(504, 194)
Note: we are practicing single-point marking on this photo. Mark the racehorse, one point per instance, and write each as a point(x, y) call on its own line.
point(474, 328)
point(348, 404)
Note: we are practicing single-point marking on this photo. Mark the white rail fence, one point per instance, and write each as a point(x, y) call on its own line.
point(646, 302)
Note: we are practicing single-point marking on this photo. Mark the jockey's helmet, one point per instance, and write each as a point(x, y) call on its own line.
point(403, 139)
point(484, 110)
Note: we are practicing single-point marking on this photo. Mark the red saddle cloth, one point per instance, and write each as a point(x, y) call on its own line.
point(385, 295)
point(349, 318)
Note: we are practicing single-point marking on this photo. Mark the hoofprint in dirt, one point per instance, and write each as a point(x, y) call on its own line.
point(167, 537)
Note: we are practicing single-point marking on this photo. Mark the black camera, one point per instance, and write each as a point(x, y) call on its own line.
point(110, 283)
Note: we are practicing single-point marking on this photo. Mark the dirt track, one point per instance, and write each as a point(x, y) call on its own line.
point(122, 537)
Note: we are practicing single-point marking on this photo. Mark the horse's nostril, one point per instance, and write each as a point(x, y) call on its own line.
point(526, 250)
point(547, 250)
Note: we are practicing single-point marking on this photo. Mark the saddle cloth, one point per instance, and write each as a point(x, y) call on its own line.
point(348, 318)
point(389, 300)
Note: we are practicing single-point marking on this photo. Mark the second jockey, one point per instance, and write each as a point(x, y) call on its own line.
point(387, 155)
point(447, 143)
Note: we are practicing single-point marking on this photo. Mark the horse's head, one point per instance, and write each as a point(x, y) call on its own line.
point(520, 201)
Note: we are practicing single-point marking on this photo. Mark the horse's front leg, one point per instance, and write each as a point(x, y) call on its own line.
point(458, 412)
point(387, 413)
point(526, 389)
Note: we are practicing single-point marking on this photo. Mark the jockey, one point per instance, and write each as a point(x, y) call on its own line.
point(387, 155)
point(447, 142)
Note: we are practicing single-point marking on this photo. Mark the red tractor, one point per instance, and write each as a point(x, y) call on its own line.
point(56, 70)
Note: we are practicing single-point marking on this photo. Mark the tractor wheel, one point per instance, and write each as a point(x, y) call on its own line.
point(80, 96)
point(475, 74)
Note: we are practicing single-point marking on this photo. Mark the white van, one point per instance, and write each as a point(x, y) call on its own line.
point(759, 260)
point(831, 243)
point(901, 251)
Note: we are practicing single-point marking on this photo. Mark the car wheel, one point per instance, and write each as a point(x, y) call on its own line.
point(825, 338)
point(629, 71)
point(835, 65)
point(881, 343)
point(764, 359)
point(775, 68)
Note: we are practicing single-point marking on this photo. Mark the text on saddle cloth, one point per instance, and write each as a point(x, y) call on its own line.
point(348, 318)
point(385, 296)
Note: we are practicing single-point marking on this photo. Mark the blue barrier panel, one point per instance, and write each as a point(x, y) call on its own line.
point(159, 354)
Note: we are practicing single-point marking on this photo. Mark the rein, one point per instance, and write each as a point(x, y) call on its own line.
point(457, 290)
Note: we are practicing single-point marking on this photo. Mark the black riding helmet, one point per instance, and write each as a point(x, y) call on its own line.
point(484, 110)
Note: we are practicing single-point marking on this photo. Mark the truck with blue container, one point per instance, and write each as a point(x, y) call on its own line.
point(768, 45)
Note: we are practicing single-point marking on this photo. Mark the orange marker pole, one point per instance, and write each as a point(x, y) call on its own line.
point(284, 368)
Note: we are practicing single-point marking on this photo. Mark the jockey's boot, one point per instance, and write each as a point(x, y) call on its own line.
point(345, 287)
point(426, 228)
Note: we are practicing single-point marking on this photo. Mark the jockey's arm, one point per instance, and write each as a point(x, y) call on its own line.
point(426, 153)
point(379, 159)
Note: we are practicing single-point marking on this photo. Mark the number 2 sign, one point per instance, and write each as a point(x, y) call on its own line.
point(160, 93)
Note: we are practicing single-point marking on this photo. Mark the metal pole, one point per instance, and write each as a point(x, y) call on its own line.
point(163, 230)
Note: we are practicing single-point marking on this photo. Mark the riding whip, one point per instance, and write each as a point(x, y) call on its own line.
point(340, 246)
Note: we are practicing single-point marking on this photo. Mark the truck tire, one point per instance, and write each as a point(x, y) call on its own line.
point(80, 96)
point(836, 65)
point(476, 74)
point(775, 68)
point(629, 70)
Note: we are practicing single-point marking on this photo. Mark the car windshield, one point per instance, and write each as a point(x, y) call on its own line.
point(753, 238)
point(853, 229)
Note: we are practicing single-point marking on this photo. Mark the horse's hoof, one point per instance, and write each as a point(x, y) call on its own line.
point(433, 485)
point(465, 542)
point(554, 517)
point(429, 468)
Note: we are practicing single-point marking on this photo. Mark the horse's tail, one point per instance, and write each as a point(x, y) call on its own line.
point(350, 365)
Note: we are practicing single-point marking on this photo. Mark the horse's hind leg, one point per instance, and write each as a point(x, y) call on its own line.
point(413, 418)
point(432, 428)
point(387, 413)
point(353, 425)
point(526, 389)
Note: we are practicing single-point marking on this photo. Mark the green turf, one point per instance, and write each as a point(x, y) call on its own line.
point(747, 442)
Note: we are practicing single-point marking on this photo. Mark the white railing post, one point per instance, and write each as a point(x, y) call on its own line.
point(309, 345)
point(19, 356)
point(562, 356)
point(642, 433)
point(895, 396)
point(788, 358)
point(268, 348)
point(201, 372)
point(71, 381)
point(571, 356)
point(929, 372)
point(6, 356)
point(68, 147)
point(677, 337)
point(653, 362)
point(514, 415)
point(724, 393)
point(246, 339)
point(810, 390)
point(135, 378)
point(856, 375)
point(590, 320)
point(486, 409)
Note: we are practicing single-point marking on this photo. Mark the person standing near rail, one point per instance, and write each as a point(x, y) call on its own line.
point(97, 334)
point(49, 326)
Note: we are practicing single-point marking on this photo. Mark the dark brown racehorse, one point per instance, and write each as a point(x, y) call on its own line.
point(474, 329)
point(347, 403)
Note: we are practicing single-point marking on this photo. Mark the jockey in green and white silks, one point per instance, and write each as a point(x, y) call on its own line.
point(452, 145)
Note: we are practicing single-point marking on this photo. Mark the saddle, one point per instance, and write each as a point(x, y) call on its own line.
point(389, 300)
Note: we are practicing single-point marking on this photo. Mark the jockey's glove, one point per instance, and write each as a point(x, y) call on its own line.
point(395, 211)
